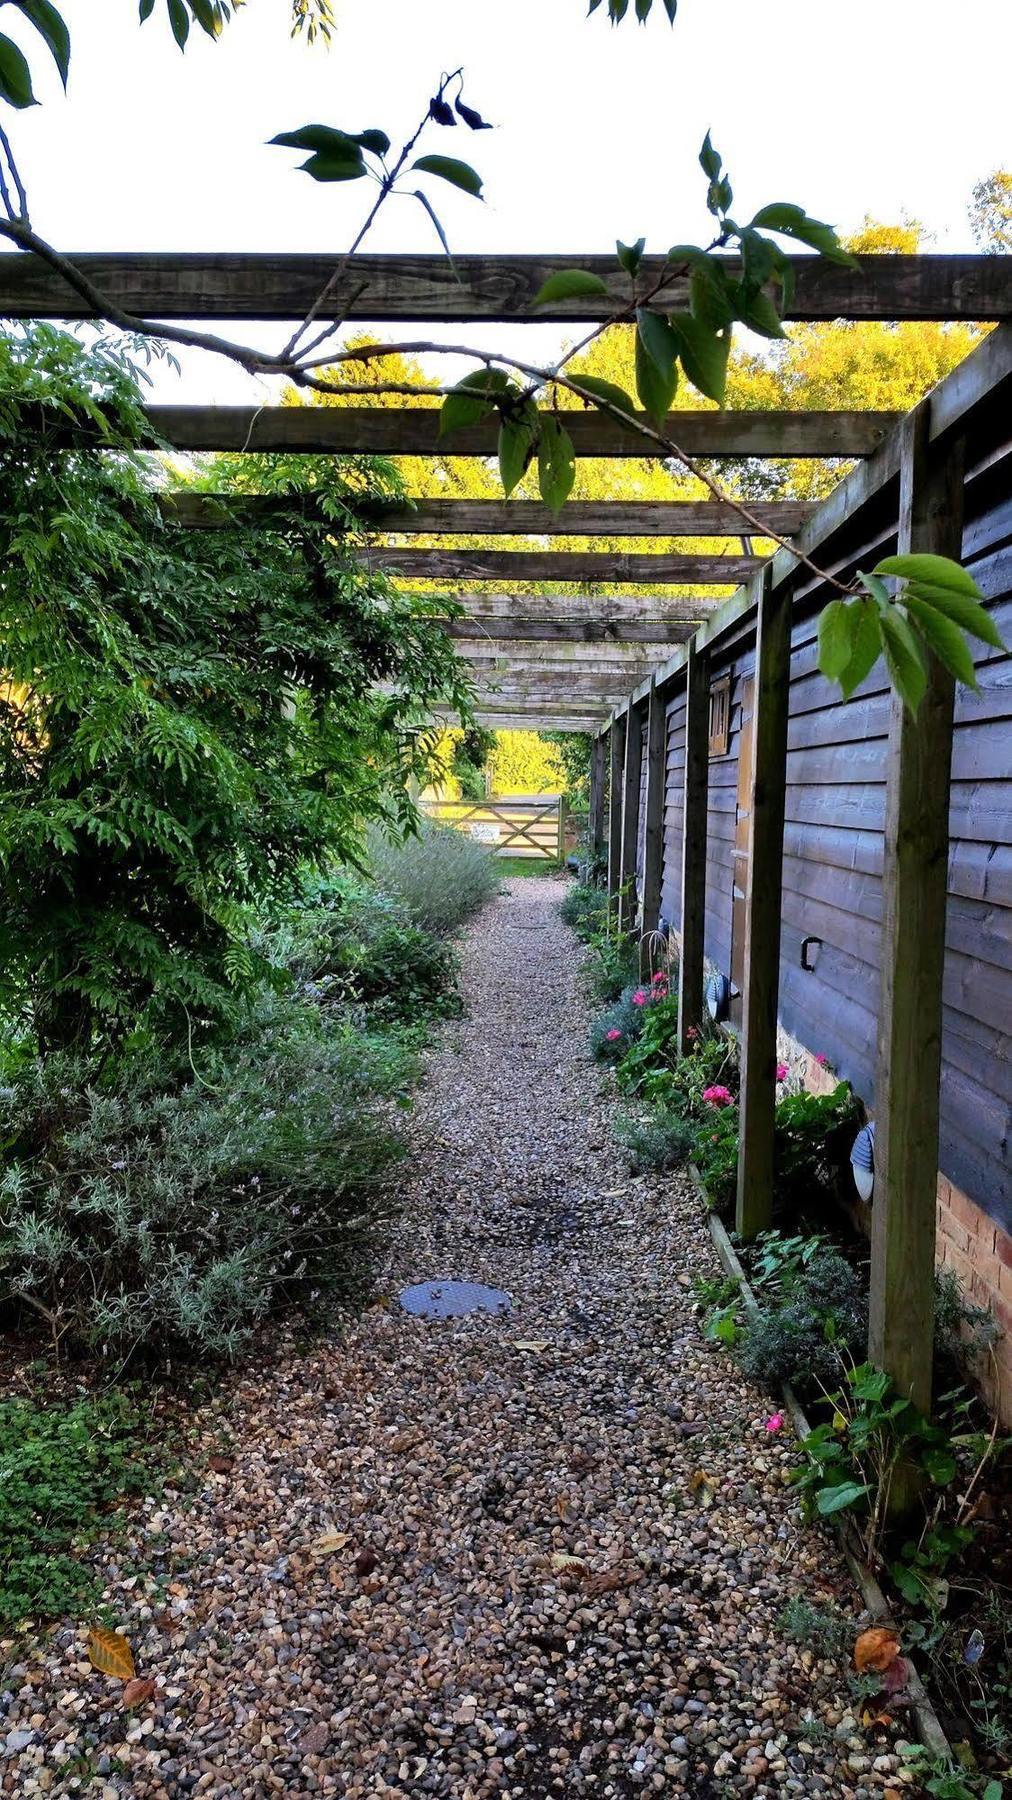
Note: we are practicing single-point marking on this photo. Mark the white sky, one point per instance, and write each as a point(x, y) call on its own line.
point(845, 106)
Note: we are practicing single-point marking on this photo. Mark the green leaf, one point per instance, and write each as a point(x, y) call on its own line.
point(781, 215)
point(568, 284)
point(904, 658)
point(376, 141)
point(322, 138)
point(147, 7)
point(876, 588)
point(938, 571)
point(761, 315)
point(656, 364)
point(944, 637)
point(865, 645)
point(709, 297)
point(939, 1464)
point(179, 19)
point(835, 639)
point(448, 168)
point(962, 610)
point(606, 390)
point(326, 167)
point(472, 399)
point(53, 28)
point(630, 255)
point(556, 463)
point(15, 76)
point(518, 440)
point(710, 160)
point(704, 355)
point(834, 1499)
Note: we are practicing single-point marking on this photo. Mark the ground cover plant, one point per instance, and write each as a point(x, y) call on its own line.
point(66, 1468)
point(440, 875)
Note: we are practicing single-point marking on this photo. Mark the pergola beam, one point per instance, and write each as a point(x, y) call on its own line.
point(561, 565)
point(268, 286)
point(486, 518)
point(414, 431)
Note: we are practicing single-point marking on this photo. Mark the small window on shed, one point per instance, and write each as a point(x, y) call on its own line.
point(720, 716)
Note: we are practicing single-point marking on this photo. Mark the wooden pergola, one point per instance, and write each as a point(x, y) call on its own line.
point(599, 662)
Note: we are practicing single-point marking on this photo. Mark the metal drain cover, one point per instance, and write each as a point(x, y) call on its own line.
point(452, 1299)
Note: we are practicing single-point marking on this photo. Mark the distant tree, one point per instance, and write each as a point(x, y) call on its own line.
point(991, 213)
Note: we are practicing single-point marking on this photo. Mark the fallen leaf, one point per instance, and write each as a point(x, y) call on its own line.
point(538, 1345)
point(366, 1561)
point(405, 1440)
point(609, 1579)
point(329, 1542)
point(222, 1465)
point(137, 1691)
point(563, 1506)
point(704, 1486)
point(869, 1717)
point(875, 1649)
point(896, 1675)
point(564, 1564)
point(110, 1654)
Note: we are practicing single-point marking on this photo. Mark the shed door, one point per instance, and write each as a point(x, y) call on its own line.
point(740, 857)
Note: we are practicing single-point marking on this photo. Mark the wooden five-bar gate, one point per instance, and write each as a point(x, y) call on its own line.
point(533, 827)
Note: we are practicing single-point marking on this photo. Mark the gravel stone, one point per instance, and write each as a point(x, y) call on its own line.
point(522, 1555)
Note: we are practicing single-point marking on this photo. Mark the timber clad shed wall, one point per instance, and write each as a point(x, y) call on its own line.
point(833, 854)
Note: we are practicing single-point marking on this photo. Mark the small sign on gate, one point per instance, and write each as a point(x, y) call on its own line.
point(486, 834)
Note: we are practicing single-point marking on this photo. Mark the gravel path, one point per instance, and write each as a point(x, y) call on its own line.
point(559, 1540)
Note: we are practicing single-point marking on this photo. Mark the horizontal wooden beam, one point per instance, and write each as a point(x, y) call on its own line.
point(548, 632)
point(244, 285)
point(610, 610)
point(591, 722)
point(480, 518)
point(414, 431)
point(554, 655)
point(561, 565)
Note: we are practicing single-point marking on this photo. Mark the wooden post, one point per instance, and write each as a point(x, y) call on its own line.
point(562, 831)
point(616, 762)
point(762, 908)
point(695, 798)
point(653, 836)
point(630, 817)
point(901, 1327)
point(595, 815)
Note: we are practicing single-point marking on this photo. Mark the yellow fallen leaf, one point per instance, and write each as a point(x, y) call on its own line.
point(564, 1564)
point(110, 1654)
point(535, 1344)
point(839, 1422)
point(876, 1649)
point(329, 1542)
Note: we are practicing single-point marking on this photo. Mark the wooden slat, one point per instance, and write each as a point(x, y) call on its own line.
point(552, 653)
point(695, 780)
point(631, 771)
point(606, 609)
point(595, 820)
point(549, 631)
point(414, 431)
point(241, 285)
point(559, 565)
point(477, 518)
point(653, 825)
point(523, 720)
point(912, 957)
point(616, 768)
point(762, 909)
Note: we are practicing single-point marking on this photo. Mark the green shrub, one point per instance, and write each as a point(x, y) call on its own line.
point(146, 1216)
point(814, 1134)
point(658, 1139)
point(812, 1309)
point(585, 909)
point(614, 1030)
point(350, 944)
point(716, 1157)
point(63, 1468)
point(441, 876)
point(963, 1331)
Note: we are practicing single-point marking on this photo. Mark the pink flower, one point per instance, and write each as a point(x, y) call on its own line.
point(821, 1060)
point(660, 979)
point(782, 1071)
point(717, 1096)
point(692, 1034)
point(775, 1422)
point(613, 1035)
point(640, 997)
